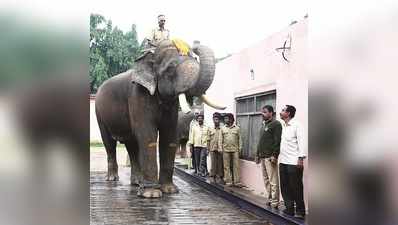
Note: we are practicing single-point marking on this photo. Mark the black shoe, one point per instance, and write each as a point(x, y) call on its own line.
point(300, 216)
point(275, 206)
point(220, 181)
point(212, 180)
point(239, 185)
point(288, 212)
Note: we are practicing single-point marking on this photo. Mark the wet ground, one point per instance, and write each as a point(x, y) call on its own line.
point(117, 202)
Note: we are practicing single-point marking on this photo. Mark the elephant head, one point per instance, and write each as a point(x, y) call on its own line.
point(174, 75)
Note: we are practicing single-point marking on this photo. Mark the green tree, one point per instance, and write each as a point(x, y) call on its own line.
point(111, 50)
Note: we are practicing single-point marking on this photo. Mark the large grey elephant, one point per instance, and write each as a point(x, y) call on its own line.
point(134, 106)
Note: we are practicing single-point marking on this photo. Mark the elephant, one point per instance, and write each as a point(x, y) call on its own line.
point(139, 108)
point(183, 123)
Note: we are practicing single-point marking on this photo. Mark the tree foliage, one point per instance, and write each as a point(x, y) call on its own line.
point(111, 50)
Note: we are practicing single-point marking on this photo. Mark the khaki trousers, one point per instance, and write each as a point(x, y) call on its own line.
point(231, 167)
point(271, 180)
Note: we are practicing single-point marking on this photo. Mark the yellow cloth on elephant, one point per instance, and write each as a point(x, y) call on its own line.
point(182, 46)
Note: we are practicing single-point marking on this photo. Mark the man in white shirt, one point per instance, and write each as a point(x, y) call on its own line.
point(199, 141)
point(191, 125)
point(291, 163)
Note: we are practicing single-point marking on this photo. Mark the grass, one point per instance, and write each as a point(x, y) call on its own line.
point(97, 144)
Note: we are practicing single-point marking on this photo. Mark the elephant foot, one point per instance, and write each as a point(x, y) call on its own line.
point(136, 176)
point(149, 193)
point(134, 180)
point(169, 188)
point(112, 175)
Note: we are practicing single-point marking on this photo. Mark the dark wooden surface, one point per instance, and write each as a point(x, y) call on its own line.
point(242, 198)
point(117, 203)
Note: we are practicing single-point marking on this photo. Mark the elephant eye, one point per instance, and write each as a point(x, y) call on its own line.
point(170, 72)
point(171, 68)
point(173, 65)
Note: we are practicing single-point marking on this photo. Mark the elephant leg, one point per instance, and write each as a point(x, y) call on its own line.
point(110, 146)
point(167, 150)
point(132, 149)
point(147, 162)
point(183, 149)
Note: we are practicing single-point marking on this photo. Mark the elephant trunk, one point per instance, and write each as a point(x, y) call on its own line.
point(206, 72)
point(196, 79)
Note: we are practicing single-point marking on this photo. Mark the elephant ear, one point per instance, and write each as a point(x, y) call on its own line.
point(144, 76)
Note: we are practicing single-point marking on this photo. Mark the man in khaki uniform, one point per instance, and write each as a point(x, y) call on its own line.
point(215, 149)
point(231, 143)
point(199, 141)
point(158, 34)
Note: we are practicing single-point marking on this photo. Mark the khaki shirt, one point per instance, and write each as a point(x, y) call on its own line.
point(157, 35)
point(231, 139)
point(215, 139)
point(199, 136)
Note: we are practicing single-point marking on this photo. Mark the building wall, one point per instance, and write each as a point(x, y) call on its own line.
point(95, 134)
point(271, 72)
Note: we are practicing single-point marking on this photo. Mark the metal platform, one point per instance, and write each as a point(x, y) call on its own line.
point(197, 202)
point(241, 198)
point(117, 203)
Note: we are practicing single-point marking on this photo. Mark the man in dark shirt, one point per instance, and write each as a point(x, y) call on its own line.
point(267, 153)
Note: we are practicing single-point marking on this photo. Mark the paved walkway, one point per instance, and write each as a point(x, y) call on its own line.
point(117, 203)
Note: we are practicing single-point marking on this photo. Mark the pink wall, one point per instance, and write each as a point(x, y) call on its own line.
point(272, 72)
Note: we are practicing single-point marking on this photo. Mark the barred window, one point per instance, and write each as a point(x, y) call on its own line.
point(248, 117)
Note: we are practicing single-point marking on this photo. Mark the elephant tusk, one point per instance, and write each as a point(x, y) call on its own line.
point(211, 104)
point(184, 104)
